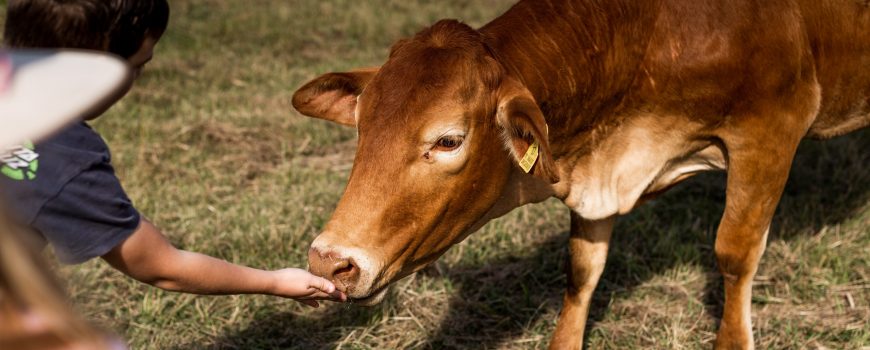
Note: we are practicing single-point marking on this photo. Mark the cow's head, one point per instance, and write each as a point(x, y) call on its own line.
point(442, 128)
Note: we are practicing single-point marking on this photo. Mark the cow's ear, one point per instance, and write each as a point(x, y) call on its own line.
point(525, 130)
point(333, 96)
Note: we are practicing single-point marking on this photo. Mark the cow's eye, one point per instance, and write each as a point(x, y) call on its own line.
point(448, 143)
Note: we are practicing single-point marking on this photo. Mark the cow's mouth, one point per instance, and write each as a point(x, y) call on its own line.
point(371, 300)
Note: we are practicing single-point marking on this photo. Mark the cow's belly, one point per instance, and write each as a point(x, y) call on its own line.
point(645, 159)
point(832, 124)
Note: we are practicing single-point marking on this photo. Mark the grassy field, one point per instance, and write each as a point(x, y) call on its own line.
point(209, 147)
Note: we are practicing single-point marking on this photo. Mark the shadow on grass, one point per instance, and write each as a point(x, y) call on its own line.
point(496, 304)
point(292, 331)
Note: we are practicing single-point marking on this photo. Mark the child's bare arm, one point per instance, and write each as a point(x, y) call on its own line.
point(149, 257)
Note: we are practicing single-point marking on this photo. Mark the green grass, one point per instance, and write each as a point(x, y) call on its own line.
point(209, 147)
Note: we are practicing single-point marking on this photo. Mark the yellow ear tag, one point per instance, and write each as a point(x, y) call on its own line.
point(530, 158)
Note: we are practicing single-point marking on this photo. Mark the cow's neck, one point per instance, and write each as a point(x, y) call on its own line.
point(578, 58)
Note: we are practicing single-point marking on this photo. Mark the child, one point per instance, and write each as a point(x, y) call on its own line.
point(72, 197)
point(34, 315)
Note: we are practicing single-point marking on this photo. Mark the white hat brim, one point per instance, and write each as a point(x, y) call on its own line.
point(49, 89)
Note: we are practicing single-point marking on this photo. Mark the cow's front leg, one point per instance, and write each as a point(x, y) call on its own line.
point(588, 252)
point(756, 178)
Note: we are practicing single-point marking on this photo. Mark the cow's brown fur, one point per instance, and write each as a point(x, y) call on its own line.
point(626, 99)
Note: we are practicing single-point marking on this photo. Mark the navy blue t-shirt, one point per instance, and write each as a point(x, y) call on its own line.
point(66, 190)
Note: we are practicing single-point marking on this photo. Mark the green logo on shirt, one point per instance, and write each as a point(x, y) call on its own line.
point(19, 162)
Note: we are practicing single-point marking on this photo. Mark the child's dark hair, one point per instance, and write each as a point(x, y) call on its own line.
point(116, 26)
point(136, 19)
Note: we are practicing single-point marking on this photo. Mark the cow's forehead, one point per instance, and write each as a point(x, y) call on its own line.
point(409, 114)
point(406, 97)
point(439, 72)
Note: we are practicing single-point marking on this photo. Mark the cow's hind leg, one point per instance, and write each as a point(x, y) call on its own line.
point(588, 252)
point(758, 168)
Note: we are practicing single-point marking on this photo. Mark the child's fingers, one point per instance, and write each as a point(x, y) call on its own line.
point(309, 302)
point(321, 284)
point(334, 296)
point(338, 295)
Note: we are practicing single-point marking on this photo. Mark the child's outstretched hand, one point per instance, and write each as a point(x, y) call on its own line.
point(305, 287)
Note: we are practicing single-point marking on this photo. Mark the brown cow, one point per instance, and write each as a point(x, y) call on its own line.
point(621, 99)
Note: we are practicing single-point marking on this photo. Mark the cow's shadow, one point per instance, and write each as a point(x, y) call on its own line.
point(496, 302)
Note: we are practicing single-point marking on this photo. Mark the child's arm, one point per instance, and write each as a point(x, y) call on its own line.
point(150, 258)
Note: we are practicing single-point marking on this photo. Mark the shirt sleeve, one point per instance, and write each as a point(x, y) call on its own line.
point(88, 217)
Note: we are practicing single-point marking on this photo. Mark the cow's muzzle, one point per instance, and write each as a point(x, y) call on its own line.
point(332, 265)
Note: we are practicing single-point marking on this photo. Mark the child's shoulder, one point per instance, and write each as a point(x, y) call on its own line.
point(79, 137)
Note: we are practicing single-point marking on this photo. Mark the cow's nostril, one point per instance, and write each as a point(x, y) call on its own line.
point(348, 273)
point(343, 271)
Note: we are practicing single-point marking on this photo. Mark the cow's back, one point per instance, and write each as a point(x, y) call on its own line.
point(718, 55)
point(839, 35)
point(697, 58)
